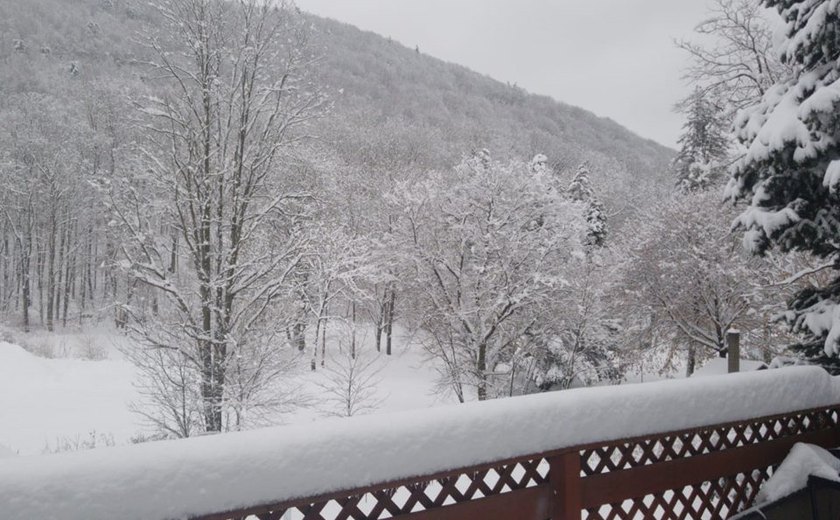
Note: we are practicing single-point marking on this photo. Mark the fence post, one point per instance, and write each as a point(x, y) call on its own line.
point(565, 481)
point(733, 350)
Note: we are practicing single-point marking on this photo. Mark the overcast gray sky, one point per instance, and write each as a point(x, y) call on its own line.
point(615, 58)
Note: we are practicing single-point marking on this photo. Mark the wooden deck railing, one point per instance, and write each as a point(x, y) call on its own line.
point(708, 472)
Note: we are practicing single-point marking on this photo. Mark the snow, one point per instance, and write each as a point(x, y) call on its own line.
point(6, 452)
point(405, 380)
point(719, 366)
point(822, 100)
point(769, 221)
point(177, 479)
point(803, 461)
point(782, 119)
point(816, 14)
point(46, 402)
point(785, 361)
point(771, 129)
point(824, 318)
point(832, 176)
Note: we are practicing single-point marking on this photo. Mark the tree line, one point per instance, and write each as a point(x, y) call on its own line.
point(199, 211)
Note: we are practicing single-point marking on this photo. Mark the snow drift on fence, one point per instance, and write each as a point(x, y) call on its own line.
point(179, 479)
point(792, 475)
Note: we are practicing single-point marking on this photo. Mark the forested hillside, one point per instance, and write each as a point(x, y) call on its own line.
point(392, 103)
point(389, 103)
point(75, 71)
point(457, 109)
point(224, 182)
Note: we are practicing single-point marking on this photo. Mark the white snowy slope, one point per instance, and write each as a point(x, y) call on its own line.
point(6, 452)
point(44, 402)
point(403, 381)
point(178, 479)
point(49, 403)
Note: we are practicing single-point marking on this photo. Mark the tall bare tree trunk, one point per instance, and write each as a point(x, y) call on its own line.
point(379, 317)
point(324, 342)
point(39, 268)
point(51, 257)
point(26, 290)
point(6, 254)
point(389, 323)
point(481, 366)
point(353, 329)
point(60, 266)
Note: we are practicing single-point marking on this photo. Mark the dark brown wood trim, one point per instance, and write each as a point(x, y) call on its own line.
point(532, 503)
point(615, 486)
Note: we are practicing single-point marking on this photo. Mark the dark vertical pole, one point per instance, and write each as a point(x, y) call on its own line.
point(733, 350)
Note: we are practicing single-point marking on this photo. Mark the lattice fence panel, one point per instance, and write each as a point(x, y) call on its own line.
point(626, 455)
point(708, 500)
point(712, 499)
point(417, 496)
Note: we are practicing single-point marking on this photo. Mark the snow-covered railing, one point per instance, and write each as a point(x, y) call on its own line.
point(698, 448)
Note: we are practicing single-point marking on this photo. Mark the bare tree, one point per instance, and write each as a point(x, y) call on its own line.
point(696, 280)
point(256, 378)
point(335, 264)
point(487, 246)
point(351, 385)
point(168, 385)
point(580, 345)
point(733, 60)
point(210, 185)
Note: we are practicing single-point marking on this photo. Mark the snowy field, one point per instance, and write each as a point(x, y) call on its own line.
point(47, 403)
point(72, 391)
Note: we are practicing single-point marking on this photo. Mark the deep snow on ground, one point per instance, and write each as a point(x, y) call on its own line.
point(66, 401)
point(719, 366)
point(68, 390)
point(48, 402)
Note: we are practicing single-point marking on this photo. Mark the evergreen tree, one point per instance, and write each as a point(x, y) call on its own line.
point(791, 171)
point(703, 145)
point(580, 190)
